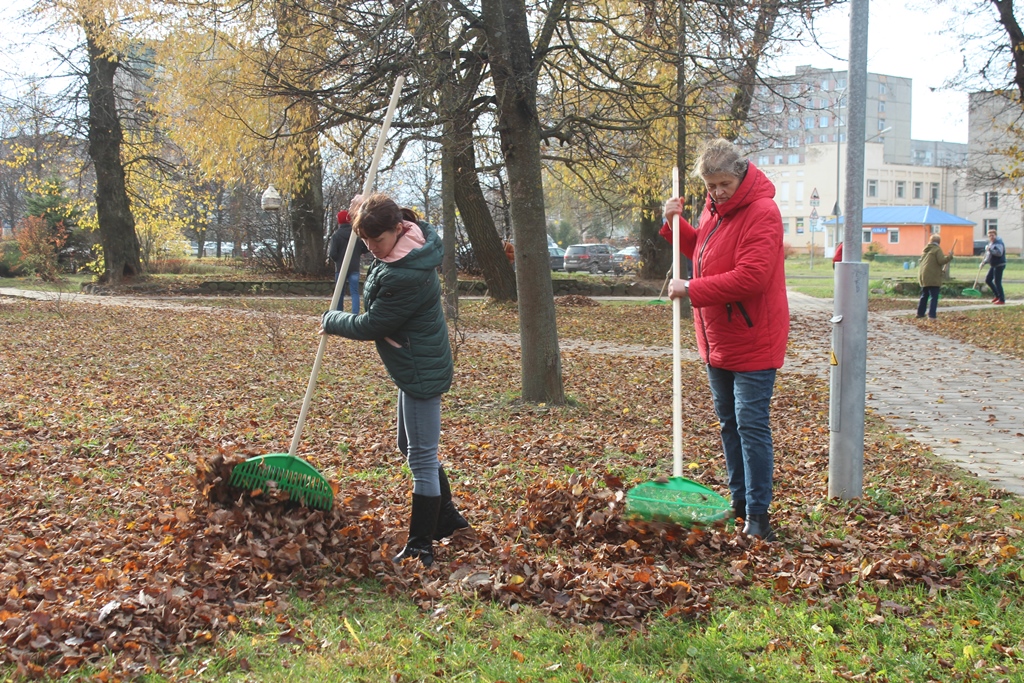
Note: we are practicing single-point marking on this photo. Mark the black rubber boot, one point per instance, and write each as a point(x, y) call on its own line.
point(422, 524)
point(739, 509)
point(449, 520)
point(760, 526)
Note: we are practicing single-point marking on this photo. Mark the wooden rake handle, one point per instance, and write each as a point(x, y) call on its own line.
point(371, 176)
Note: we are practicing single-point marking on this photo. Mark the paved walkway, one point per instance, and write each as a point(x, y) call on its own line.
point(963, 403)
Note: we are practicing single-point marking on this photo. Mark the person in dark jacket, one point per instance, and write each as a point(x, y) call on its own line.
point(995, 257)
point(930, 273)
point(741, 315)
point(336, 251)
point(405, 320)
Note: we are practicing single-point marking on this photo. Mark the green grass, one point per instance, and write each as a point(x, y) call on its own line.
point(817, 279)
point(758, 634)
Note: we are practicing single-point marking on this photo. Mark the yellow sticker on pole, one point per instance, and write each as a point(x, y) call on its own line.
point(832, 358)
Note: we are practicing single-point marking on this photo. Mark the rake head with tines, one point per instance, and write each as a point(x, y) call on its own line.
point(291, 474)
point(678, 500)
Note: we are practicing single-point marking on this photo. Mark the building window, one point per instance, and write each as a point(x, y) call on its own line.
point(991, 200)
point(823, 138)
point(809, 122)
point(881, 106)
point(936, 229)
point(881, 88)
point(823, 122)
point(778, 159)
point(865, 237)
point(935, 193)
point(794, 124)
point(793, 159)
point(901, 189)
point(799, 226)
point(824, 85)
point(881, 124)
point(763, 161)
point(872, 188)
point(894, 235)
point(990, 224)
point(783, 190)
point(918, 190)
point(840, 83)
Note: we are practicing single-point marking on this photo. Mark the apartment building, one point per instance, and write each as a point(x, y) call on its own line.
point(820, 175)
point(991, 195)
point(797, 135)
point(791, 113)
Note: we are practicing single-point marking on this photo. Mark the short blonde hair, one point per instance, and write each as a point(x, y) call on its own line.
point(720, 156)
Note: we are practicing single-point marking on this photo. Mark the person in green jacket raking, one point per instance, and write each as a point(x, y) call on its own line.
point(403, 316)
point(930, 274)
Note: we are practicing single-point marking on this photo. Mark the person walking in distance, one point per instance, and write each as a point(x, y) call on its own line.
point(995, 257)
point(741, 315)
point(336, 251)
point(930, 274)
point(405, 320)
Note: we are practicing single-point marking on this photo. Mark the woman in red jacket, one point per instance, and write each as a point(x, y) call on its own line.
point(741, 315)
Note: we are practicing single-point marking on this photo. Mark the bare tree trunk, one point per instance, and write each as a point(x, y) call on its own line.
point(121, 250)
point(477, 219)
point(515, 85)
point(306, 209)
point(655, 252)
point(448, 267)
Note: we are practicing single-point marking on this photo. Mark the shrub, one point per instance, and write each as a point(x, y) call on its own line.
point(872, 251)
point(10, 259)
point(40, 244)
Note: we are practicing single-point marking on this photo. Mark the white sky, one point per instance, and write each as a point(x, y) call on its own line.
point(903, 40)
point(906, 42)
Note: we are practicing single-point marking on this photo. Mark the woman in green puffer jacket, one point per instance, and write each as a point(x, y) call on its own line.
point(930, 275)
point(403, 316)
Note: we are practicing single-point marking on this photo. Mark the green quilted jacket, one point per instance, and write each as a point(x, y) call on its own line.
point(403, 305)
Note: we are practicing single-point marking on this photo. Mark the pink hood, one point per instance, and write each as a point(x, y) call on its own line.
point(411, 238)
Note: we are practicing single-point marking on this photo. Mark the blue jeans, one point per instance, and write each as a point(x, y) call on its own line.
point(929, 300)
point(742, 402)
point(994, 280)
point(419, 432)
point(353, 291)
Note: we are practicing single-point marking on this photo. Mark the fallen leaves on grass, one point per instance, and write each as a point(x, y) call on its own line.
point(122, 538)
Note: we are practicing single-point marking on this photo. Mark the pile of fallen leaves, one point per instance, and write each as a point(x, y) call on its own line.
point(575, 300)
point(122, 537)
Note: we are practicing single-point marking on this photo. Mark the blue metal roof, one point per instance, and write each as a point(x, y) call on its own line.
point(906, 215)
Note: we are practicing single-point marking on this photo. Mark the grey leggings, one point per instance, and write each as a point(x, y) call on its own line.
point(419, 431)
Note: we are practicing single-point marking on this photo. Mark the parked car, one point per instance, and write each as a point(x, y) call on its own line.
point(625, 259)
point(557, 255)
point(979, 247)
point(593, 258)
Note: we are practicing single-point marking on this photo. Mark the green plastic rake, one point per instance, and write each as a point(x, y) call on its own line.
point(291, 474)
point(676, 500)
point(972, 291)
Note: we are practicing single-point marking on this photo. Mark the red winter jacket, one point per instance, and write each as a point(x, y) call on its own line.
point(738, 290)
